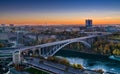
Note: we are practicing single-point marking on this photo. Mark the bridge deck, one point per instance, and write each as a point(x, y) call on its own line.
point(58, 42)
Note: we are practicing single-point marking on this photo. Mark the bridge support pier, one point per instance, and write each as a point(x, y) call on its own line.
point(33, 52)
point(39, 51)
point(43, 52)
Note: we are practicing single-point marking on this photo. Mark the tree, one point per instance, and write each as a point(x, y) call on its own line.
point(116, 52)
point(1, 45)
point(78, 66)
point(100, 71)
point(106, 49)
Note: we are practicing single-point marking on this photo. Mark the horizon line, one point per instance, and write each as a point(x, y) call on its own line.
point(53, 24)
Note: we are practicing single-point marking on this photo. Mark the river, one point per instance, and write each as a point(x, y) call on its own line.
point(91, 61)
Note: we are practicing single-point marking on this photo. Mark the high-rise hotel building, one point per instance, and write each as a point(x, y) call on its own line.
point(88, 23)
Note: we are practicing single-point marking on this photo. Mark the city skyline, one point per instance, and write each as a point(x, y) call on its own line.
point(59, 11)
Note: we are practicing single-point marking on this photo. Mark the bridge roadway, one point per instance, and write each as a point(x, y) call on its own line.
point(57, 42)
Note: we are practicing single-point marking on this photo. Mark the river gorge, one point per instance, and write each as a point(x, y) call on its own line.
point(91, 61)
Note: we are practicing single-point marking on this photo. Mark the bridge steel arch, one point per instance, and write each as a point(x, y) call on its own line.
point(63, 45)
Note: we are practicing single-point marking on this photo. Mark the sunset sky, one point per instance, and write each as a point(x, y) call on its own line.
point(59, 11)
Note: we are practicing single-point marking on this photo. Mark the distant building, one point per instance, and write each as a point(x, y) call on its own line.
point(3, 27)
point(4, 36)
point(88, 23)
point(111, 29)
point(11, 25)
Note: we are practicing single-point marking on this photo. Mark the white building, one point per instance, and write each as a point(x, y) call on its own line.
point(16, 57)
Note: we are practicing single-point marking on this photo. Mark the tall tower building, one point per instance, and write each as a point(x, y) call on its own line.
point(88, 23)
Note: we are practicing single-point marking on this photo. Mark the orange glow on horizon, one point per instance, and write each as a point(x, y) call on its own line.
point(101, 17)
point(58, 21)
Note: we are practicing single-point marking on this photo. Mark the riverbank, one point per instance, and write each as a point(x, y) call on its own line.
point(74, 53)
point(90, 51)
point(91, 61)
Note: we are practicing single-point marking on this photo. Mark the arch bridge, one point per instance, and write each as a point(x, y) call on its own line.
point(49, 49)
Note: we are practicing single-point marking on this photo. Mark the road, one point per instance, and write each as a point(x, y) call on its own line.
point(56, 68)
point(35, 62)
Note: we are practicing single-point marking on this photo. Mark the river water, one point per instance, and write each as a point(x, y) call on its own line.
point(90, 61)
